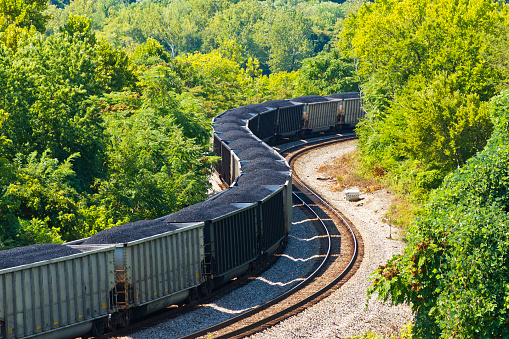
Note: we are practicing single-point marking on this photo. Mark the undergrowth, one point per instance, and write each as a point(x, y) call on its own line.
point(404, 333)
point(349, 171)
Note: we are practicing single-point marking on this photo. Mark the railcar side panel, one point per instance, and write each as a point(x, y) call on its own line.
point(226, 173)
point(267, 121)
point(322, 115)
point(233, 241)
point(289, 120)
point(160, 266)
point(352, 111)
point(273, 220)
point(217, 150)
point(253, 124)
point(54, 297)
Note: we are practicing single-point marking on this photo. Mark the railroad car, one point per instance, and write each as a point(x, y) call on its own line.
point(59, 297)
point(131, 270)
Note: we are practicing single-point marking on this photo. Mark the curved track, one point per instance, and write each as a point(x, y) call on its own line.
point(341, 257)
point(344, 256)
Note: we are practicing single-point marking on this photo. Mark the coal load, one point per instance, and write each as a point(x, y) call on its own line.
point(257, 152)
point(234, 135)
point(34, 253)
point(230, 120)
point(277, 103)
point(223, 128)
point(245, 112)
point(130, 232)
point(310, 99)
point(244, 194)
point(243, 143)
point(264, 163)
point(207, 210)
point(348, 95)
point(263, 177)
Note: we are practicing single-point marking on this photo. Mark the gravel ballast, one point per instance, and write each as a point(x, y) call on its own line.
point(344, 313)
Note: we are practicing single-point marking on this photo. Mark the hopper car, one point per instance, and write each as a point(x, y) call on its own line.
point(88, 286)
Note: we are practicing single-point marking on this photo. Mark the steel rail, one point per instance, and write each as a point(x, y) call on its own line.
point(314, 295)
point(273, 301)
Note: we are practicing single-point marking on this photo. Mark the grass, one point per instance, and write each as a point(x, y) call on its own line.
point(404, 333)
point(348, 171)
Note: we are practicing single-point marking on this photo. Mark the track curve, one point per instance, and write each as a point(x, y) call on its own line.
point(252, 322)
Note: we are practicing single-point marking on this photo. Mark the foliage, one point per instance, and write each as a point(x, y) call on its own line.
point(404, 333)
point(89, 141)
point(454, 271)
point(40, 203)
point(426, 81)
point(278, 34)
point(19, 19)
point(328, 73)
point(218, 77)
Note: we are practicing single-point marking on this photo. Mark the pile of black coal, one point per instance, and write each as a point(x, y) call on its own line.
point(34, 253)
point(264, 163)
point(257, 152)
point(347, 95)
point(310, 99)
point(247, 193)
point(222, 128)
point(263, 177)
point(243, 143)
point(234, 135)
point(207, 210)
point(130, 232)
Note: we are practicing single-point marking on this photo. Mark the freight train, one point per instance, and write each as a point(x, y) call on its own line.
point(86, 286)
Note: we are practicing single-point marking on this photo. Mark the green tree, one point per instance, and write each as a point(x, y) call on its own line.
point(328, 73)
point(418, 70)
point(454, 270)
point(20, 19)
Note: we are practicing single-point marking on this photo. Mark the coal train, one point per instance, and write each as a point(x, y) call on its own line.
point(117, 275)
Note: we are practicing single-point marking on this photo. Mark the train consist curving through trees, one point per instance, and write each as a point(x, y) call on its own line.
point(125, 272)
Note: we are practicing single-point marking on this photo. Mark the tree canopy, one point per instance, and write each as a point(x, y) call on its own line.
point(427, 71)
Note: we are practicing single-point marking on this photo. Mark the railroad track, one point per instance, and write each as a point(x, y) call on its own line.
point(340, 263)
point(341, 252)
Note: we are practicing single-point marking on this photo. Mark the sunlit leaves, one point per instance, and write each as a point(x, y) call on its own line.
point(454, 271)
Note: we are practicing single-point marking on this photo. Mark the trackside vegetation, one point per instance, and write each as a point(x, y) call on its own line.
point(428, 70)
point(434, 76)
point(454, 270)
